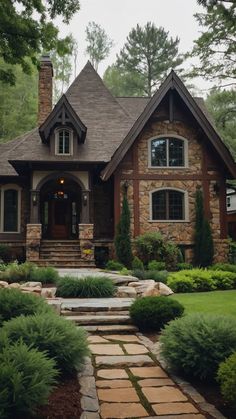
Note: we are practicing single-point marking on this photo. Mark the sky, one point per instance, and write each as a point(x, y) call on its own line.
point(118, 17)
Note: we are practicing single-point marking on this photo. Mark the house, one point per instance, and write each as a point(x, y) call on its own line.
point(62, 183)
point(231, 210)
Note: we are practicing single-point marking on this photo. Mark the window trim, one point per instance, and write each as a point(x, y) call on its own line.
point(2, 190)
point(57, 132)
point(186, 205)
point(166, 136)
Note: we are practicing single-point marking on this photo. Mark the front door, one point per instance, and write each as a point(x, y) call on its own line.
point(60, 219)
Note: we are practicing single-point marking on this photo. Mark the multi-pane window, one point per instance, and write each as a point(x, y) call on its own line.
point(168, 204)
point(167, 152)
point(63, 142)
point(9, 210)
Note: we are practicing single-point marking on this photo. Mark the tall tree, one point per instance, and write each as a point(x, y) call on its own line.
point(123, 239)
point(26, 29)
point(216, 46)
point(149, 53)
point(203, 249)
point(122, 83)
point(99, 44)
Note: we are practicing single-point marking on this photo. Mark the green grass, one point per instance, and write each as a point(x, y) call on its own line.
point(215, 302)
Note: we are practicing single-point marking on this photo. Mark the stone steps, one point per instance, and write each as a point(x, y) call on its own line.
point(68, 313)
point(111, 329)
point(78, 305)
point(61, 263)
point(99, 319)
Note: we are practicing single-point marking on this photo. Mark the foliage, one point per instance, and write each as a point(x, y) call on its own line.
point(149, 53)
point(152, 313)
point(203, 249)
point(137, 264)
point(152, 246)
point(183, 265)
point(3, 267)
point(180, 284)
point(13, 303)
point(47, 275)
point(224, 280)
point(99, 44)
point(27, 377)
point(114, 265)
point(124, 271)
point(197, 343)
point(87, 287)
point(5, 253)
point(122, 238)
point(158, 276)
point(155, 265)
point(18, 272)
point(226, 376)
point(61, 340)
point(26, 28)
point(216, 46)
point(123, 83)
point(228, 267)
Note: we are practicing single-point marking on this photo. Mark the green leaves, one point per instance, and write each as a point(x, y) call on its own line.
point(99, 44)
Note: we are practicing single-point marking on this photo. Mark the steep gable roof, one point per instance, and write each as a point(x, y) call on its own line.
point(171, 82)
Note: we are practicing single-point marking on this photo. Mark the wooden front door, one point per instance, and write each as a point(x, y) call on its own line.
point(60, 219)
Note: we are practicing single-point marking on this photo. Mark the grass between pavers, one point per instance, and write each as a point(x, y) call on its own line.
point(143, 400)
point(212, 302)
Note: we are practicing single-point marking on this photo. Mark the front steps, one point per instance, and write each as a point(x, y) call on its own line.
point(62, 254)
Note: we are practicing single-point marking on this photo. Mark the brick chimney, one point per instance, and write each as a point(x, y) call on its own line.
point(45, 88)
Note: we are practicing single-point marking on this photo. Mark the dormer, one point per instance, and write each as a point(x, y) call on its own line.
point(65, 124)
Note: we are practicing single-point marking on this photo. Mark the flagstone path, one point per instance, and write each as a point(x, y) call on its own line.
point(130, 383)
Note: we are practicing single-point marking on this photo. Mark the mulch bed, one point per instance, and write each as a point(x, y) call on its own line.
point(64, 402)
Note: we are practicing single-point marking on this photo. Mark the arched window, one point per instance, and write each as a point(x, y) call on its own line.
point(169, 205)
point(64, 142)
point(168, 152)
point(10, 209)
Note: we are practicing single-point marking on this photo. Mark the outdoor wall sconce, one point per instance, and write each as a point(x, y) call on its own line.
point(34, 197)
point(85, 199)
point(61, 181)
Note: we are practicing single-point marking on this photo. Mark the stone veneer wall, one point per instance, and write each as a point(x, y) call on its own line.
point(86, 234)
point(33, 238)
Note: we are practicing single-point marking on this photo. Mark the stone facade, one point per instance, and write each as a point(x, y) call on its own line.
point(33, 238)
point(45, 89)
point(86, 234)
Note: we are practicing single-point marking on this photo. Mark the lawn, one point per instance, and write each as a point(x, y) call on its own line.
point(217, 302)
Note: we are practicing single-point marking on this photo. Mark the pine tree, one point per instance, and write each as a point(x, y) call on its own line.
point(122, 239)
point(203, 250)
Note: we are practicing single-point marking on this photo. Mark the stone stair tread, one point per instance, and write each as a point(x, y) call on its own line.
point(114, 319)
point(110, 329)
point(73, 314)
point(100, 304)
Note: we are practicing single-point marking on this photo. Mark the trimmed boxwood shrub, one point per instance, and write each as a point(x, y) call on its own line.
point(27, 377)
point(226, 376)
point(47, 275)
point(65, 343)
point(152, 313)
point(196, 344)
point(181, 284)
point(88, 287)
point(114, 265)
point(155, 265)
point(13, 303)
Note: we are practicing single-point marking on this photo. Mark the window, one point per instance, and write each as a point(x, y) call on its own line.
point(168, 152)
point(169, 205)
point(64, 142)
point(10, 209)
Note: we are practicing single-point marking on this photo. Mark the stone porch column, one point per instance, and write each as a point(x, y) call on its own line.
point(86, 241)
point(33, 238)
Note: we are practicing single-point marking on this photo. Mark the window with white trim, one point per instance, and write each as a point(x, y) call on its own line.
point(10, 209)
point(63, 142)
point(168, 152)
point(168, 205)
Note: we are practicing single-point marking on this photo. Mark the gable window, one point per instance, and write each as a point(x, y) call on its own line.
point(169, 205)
point(168, 152)
point(64, 142)
point(10, 209)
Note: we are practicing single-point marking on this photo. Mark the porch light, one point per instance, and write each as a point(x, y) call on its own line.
point(85, 199)
point(62, 181)
point(34, 197)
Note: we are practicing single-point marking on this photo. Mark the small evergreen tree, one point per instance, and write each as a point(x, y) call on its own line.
point(122, 239)
point(203, 250)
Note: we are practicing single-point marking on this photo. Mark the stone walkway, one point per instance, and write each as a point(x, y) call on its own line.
point(130, 383)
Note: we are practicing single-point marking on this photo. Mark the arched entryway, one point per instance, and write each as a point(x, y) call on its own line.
point(60, 208)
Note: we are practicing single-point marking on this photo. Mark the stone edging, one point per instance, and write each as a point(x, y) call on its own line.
point(89, 399)
point(184, 385)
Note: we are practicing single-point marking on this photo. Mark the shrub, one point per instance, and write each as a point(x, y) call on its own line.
point(183, 284)
point(5, 253)
point(88, 287)
point(229, 267)
point(65, 343)
point(27, 377)
point(224, 280)
point(196, 344)
point(137, 264)
point(158, 276)
point(202, 280)
point(139, 273)
point(114, 265)
point(183, 266)
point(3, 267)
point(122, 238)
point(124, 271)
point(152, 313)
point(155, 265)
point(18, 272)
point(226, 376)
point(13, 303)
point(47, 275)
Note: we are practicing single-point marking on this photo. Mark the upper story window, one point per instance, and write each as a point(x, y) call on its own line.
point(10, 209)
point(168, 152)
point(169, 205)
point(64, 142)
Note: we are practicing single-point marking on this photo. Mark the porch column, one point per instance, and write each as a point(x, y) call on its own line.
point(34, 206)
point(86, 241)
point(85, 216)
point(33, 238)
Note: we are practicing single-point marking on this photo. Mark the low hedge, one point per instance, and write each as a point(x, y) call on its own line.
point(196, 344)
point(158, 276)
point(114, 265)
point(27, 271)
point(152, 313)
point(27, 377)
point(229, 267)
point(155, 265)
point(88, 287)
point(226, 377)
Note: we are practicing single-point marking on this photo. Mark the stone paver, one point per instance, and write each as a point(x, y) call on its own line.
point(134, 349)
point(174, 408)
point(118, 395)
point(145, 372)
point(124, 338)
point(114, 374)
point(97, 339)
point(156, 382)
point(163, 394)
point(113, 383)
point(126, 360)
point(106, 349)
point(122, 411)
